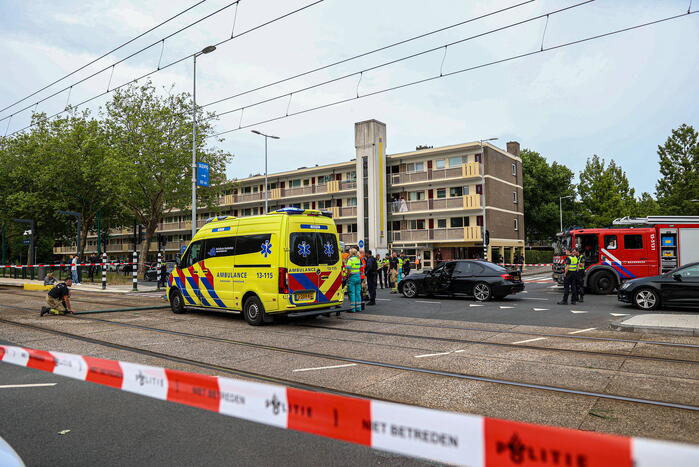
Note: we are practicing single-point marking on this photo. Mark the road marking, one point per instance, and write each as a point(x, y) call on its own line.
point(39, 385)
point(554, 287)
point(473, 304)
point(384, 299)
point(578, 311)
point(325, 367)
point(533, 298)
point(505, 307)
point(524, 291)
point(530, 340)
point(619, 314)
point(425, 301)
point(540, 309)
point(458, 351)
point(582, 330)
point(432, 354)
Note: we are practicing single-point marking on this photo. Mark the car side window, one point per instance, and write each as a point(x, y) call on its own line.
point(449, 269)
point(477, 269)
point(439, 269)
point(691, 273)
point(463, 268)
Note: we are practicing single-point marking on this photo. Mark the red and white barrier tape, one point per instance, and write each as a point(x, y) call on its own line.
point(525, 265)
point(50, 265)
point(413, 431)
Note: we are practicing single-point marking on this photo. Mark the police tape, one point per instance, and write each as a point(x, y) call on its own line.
point(526, 265)
point(435, 435)
point(57, 265)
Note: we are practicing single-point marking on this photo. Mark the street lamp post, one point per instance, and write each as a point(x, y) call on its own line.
point(485, 225)
point(266, 136)
point(560, 208)
point(205, 50)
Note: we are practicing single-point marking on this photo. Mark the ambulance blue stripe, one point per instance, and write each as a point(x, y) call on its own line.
point(183, 289)
point(212, 292)
point(307, 284)
point(194, 286)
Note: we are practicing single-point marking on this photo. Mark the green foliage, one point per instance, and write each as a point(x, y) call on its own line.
point(604, 193)
point(646, 205)
point(679, 169)
point(538, 256)
point(544, 184)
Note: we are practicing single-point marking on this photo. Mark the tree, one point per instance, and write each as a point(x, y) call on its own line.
point(647, 206)
point(150, 139)
point(543, 185)
point(679, 169)
point(604, 193)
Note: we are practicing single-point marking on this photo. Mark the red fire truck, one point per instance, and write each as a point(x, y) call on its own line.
point(639, 247)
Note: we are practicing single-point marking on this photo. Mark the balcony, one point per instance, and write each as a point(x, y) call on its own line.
point(454, 234)
point(349, 238)
point(468, 170)
point(457, 202)
point(345, 211)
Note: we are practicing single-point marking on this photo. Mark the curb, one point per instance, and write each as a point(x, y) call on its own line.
point(655, 329)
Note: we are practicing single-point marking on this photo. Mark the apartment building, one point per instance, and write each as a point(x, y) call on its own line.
point(431, 202)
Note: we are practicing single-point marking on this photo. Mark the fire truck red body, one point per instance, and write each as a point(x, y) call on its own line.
point(639, 247)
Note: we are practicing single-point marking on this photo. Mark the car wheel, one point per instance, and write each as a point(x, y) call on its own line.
point(177, 302)
point(646, 299)
point(409, 289)
point(482, 292)
point(254, 311)
point(602, 283)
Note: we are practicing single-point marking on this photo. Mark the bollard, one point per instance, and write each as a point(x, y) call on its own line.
point(134, 270)
point(159, 274)
point(104, 271)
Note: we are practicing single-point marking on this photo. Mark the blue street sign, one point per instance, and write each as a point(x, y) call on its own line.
point(361, 243)
point(27, 241)
point(202, 174)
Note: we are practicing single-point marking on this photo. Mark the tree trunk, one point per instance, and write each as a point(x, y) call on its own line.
point(151, 227)
point(84, 231)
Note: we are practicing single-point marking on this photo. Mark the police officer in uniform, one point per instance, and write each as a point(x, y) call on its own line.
point(58, 299)
point(372, 271)
point(570, 280)
point(580, 276)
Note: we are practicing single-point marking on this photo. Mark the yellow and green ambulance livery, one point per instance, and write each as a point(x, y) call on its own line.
point(284, 262)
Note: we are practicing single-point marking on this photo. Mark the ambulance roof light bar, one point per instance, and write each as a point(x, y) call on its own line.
point(653, 220)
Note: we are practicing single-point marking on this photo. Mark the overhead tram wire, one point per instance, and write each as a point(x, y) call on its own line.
point(254, 28)
point(159, 41)
point(104, 55)
point(370, 52)
point(463, 70)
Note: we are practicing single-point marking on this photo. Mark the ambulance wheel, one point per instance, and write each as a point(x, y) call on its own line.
point(602, 283)
point(177, 302)
point(253, 311)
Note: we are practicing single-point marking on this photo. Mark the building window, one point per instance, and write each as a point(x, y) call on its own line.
point(514, 197)
point(441, 193)
point(416, 195)
point(456, 222)
point(324, 204)
point(478, 157)
point(247, 212)
point(307, 205)
point(466, 190)
point(514, 169)
point(441, 223)
point(352, 228)
point(295, 183)
point(247, 189)
point(415, 167)
point(395, 225)
point(479, 189)
point(516, 224)
point(352, 202)
point(325, 179)
point(352, 176)
point(456, 191)
point(479, 221)
point(440, 163)
point(456, 161)
point(417, 224)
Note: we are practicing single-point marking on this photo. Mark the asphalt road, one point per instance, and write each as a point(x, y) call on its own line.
point(537, 306)
point(110, 427)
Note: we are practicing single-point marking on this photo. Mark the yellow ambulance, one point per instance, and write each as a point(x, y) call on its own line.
point(284, 262)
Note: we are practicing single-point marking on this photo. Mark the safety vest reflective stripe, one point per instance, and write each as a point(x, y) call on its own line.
point(354, 265)
point(573, 266)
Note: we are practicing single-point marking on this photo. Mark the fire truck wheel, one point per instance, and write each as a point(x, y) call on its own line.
point(602, 283)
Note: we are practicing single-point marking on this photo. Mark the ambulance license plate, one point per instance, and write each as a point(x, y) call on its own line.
point(305, 296)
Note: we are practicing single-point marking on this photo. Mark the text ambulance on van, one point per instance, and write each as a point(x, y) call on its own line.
point(285, 262)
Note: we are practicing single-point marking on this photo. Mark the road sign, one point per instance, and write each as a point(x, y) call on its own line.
point(27, 241)
point(202, 174)
point(361, 243)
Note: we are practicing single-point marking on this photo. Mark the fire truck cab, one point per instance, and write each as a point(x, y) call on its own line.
point(639, 247)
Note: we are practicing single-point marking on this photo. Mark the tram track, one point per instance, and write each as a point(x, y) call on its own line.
point(358, 361)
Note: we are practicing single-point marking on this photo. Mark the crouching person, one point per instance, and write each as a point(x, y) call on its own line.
point(58, 299)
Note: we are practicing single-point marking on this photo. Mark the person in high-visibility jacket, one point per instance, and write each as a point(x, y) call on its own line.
point(354, 281)
point(570, 281)
point(345, 257)
point(401, 260)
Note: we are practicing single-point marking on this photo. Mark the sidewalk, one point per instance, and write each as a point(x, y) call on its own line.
point(88, 287)
point(683, 325)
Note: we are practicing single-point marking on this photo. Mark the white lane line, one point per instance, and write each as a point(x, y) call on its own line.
point(582, 330)
point(38, 385)
point(325, 367)
point(384, 299)
point(506, 307)
point(578, 311)
point(425, 301)
point(458, 351)
point(540, 309)
point(432, 354)
point(533, 298)
point(619, 314)
point(530, 340)
point(473, 304)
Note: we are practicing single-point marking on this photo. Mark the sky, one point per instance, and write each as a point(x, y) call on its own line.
point(618, 96)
